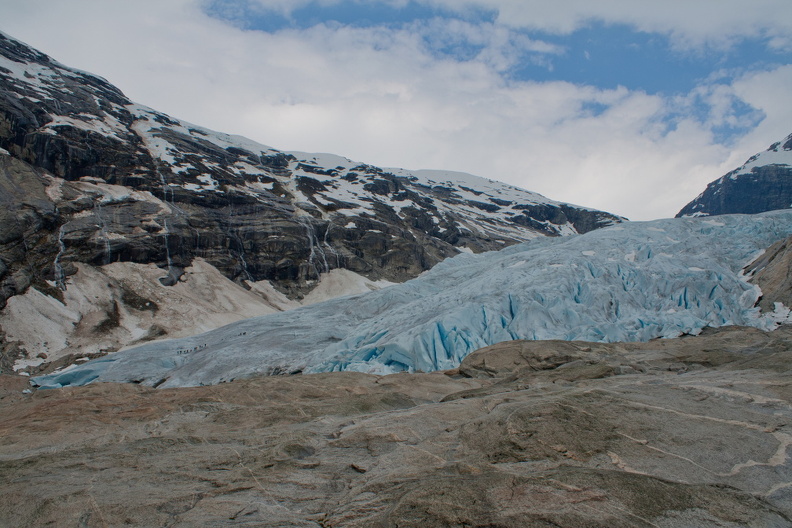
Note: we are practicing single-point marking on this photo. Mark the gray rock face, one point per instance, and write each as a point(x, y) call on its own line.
point(126, 183)
point(772, 272)
point(763, 183)
point(27, 219)
point(687, 432)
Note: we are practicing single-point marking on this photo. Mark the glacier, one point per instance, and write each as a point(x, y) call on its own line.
point(634, 281)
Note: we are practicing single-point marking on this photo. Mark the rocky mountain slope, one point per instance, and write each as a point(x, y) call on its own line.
point(633, 282)
point(95, 189)
point(106, 180)
point(763, 183)
point(687, 432)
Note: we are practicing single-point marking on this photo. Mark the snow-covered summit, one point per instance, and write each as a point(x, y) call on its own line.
point(763, 183)
point(631, 282)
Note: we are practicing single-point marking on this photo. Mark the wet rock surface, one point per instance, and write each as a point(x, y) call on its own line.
point(681, 432)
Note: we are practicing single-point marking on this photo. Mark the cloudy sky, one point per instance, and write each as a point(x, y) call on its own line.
point(631, 106)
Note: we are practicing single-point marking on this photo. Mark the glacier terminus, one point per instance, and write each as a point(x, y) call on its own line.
point(635, 281)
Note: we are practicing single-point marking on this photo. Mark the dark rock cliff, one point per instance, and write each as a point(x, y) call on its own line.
point(89, 176)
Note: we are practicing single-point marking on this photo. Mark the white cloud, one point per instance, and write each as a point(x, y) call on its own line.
point(382, 96)
point(767, 91)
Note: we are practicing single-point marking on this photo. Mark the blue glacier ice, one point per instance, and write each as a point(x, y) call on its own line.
point(630, 282)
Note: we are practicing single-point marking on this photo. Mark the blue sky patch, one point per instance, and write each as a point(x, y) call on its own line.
point(252, 16)
point(608, 56)
point(605, 56)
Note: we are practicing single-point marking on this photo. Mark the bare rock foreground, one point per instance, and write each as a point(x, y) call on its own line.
point(689, 432)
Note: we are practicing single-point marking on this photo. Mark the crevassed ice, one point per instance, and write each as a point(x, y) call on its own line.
point(634, 282)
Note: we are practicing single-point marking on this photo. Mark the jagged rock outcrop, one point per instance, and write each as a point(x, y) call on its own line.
point(101, 179)
point(763, 183)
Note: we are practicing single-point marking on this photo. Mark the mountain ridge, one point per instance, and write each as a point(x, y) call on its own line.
point(252, 211)
point(762, 183)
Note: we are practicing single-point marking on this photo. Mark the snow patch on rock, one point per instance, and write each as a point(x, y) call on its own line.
point(342, 282)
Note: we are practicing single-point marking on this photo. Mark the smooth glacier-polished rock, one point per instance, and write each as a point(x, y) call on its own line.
point(691, 432)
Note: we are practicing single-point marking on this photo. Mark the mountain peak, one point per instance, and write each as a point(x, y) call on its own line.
point(762, 183)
